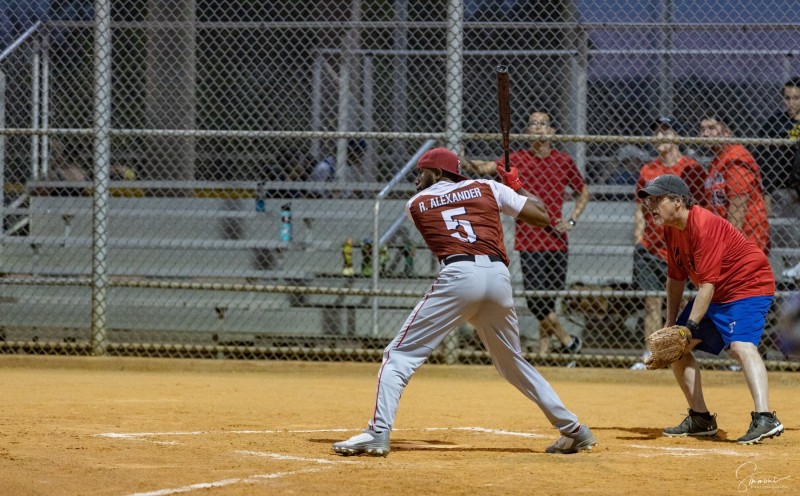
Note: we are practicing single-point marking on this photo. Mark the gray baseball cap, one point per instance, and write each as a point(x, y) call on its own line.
point(666, 121)
point(664, 184)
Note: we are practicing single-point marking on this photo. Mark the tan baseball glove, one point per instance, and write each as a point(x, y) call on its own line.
point(666, 346)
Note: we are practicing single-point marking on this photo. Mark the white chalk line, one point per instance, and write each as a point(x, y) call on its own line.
point(252, 478)
point(685, 452)
point(328, 464)
point(483, 430)
point(278, 456)
point(226, 482)
point(145, 436)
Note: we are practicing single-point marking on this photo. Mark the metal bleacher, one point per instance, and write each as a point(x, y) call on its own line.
point(217, 239)
point(196, 239)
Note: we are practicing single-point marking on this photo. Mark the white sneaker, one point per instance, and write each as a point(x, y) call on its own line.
point(793, 273)
point(640, 365)
point(368, 442)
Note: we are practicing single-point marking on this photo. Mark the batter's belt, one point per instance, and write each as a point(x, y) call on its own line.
point(468, 258)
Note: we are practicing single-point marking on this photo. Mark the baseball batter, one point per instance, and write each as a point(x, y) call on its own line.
point(459, 219)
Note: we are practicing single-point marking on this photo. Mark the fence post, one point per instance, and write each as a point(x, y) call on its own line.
point(2, 156)
point(454, 112)
point(102, 154)
point(454, 77)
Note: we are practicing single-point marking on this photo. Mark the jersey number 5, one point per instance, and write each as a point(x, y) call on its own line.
point(453, 224)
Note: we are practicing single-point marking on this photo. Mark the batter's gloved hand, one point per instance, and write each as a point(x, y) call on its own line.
point(667, 346)
point(510, 177)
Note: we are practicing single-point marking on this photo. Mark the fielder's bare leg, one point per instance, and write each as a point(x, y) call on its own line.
point(687, 373)
point(652, 315)
point(545, 331)
point(755, 373)
point(700, 422)
point(558, 329)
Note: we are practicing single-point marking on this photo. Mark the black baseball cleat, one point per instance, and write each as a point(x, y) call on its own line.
point(763, 426)
point(694, 425)
point(573, 348)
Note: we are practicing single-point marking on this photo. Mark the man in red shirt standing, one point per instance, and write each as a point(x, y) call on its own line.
point(650, 253)
point(735, 290)
point(546, 173)
point(733, 185)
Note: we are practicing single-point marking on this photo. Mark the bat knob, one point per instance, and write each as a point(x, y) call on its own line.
point(502, 68)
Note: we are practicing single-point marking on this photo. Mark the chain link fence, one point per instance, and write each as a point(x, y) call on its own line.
point(209, 178)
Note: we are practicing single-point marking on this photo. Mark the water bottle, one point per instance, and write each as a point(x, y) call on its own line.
point(347, 257)
point(260, 197)
point(383, 260)
point(366, 257)
point(408, 253)
point(286, 223)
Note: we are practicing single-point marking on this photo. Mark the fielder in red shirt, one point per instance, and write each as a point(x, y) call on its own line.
point(735, 291)
point(733, 185)
point(650, 252)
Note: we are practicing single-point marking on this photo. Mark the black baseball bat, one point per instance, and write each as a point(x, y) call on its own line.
point(504, 109)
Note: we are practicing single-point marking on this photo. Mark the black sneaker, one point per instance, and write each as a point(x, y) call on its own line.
point(574, 348)
point(763, 426)
point(693, 425)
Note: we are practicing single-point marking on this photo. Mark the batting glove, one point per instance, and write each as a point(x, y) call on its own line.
point(510, 178)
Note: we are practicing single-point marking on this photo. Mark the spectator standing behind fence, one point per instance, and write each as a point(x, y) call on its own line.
point(735, 287)
point(459, 219)
point(781, 164)
point(650, 253)
point(733, 185)
point(547, 173)
point(293, 167)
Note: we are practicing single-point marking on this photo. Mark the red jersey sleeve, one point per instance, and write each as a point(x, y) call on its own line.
point(695, 177)
point(574, 177)
point(739, 180)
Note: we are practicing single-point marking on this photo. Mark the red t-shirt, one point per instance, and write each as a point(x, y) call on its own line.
point(464, 217)
point(548, 179)
point(691, 172)
point(711, 250)
point(734, 173)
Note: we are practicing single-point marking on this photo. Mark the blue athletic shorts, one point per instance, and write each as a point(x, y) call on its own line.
point(740, 320)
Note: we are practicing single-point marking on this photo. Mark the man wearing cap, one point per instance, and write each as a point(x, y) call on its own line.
point(733, 185)
point(650, 253)
point(735, 290)
point(459, 219)
point(543, 253)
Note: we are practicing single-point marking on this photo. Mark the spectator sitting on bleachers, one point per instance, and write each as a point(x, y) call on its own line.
point(325, 170)
point(64, 168)
point(630, 159)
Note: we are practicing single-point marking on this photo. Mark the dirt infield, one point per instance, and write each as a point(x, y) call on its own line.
point(161, 427)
